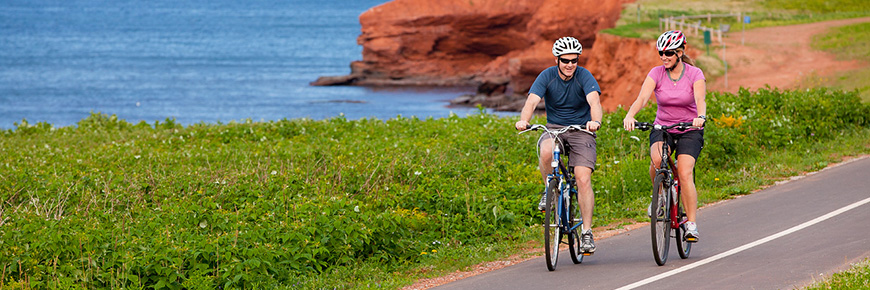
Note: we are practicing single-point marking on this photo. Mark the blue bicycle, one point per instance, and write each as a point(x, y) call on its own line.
point(562, 217)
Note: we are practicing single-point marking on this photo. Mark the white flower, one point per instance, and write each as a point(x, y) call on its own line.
point(417, 173)
point(274, 172)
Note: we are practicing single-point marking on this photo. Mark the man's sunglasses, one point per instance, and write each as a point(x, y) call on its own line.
point(668, 53)
point(566, 61)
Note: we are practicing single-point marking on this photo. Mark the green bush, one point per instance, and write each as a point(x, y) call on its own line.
point(108, 204)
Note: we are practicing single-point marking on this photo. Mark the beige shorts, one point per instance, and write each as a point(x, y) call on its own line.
point(581, 146)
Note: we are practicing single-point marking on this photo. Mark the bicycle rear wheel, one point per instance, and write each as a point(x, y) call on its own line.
point(574, 220)
point(552, 225)
point(660, 225)
point(683, 246)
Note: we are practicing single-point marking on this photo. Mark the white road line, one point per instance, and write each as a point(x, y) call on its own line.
point(744, 247)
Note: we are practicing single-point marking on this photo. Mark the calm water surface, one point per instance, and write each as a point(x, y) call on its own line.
point(194, 61)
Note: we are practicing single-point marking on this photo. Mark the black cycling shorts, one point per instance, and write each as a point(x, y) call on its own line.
point(689, 142)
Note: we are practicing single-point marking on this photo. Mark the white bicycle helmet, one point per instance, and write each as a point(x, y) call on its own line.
point(670, 40)
point(566, 45)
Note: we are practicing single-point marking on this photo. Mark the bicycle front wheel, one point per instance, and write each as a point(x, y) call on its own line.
point(660, 226)
point(552, 225)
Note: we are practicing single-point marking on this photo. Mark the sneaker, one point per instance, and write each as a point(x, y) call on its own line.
point(691, 235)
point(543, 203)
point(587, 243)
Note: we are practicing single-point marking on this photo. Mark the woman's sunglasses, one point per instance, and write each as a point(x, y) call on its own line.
point(566, 61)
point(668, 53)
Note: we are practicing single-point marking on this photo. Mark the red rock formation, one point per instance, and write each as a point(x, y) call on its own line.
point(620, 65)
point(493, 43)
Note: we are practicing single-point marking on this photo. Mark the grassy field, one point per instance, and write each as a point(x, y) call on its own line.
point(641, 18)
point(348, 203)
point(848, 42)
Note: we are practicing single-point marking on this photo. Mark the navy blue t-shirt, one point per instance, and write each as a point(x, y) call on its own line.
point(565, 100)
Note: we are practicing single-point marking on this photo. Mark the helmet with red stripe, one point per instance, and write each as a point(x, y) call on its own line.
point(670, 40)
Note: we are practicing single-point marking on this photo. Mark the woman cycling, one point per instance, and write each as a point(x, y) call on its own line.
point(680, 90)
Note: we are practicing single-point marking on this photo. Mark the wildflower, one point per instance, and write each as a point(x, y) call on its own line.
point(274, 172)
point(417, 173)
point(716, 179)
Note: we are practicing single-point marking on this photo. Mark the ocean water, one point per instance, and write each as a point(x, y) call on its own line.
point(193, 61)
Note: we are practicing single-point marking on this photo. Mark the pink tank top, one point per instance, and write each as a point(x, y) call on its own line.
point(676, 98)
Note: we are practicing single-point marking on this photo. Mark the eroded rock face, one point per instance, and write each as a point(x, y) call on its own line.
point(501, 44)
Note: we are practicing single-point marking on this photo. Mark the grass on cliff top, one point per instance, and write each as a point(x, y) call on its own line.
point(850, 42)
point(640, 19)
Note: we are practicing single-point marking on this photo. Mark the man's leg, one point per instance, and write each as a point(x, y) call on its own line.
point(586, 198)
point(545, 168)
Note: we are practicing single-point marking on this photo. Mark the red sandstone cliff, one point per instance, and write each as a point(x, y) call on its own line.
point(498, 45)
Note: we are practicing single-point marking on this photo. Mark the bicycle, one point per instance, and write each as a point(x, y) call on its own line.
point(562, 212)
point(667, 214)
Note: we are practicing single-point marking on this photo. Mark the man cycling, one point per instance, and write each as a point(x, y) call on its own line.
point(571, 97)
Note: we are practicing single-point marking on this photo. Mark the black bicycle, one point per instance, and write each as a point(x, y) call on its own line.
point(562, 212)
point(666, 211)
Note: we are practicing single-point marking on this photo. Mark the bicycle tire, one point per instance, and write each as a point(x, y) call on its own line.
point(660, 227)
point(552, 226)
point(574, 220)
point(683, 246)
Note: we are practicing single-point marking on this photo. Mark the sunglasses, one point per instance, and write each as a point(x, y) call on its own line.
point(668, 53)
point(566, 61)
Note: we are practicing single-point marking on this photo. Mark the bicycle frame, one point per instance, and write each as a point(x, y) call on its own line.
point(665, 179)
point(559, 217)
point(668, 167)
point(566, 184)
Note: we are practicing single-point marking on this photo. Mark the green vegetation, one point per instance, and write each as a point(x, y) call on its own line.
point(858, 277)
point(348, 203)
point(847, 42)
point(641, 19)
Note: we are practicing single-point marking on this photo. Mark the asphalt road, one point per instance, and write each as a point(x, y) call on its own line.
point(783, 237)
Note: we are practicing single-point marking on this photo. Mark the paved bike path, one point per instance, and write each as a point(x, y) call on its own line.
point(782, 237)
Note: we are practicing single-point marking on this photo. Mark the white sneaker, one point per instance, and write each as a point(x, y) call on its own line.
point(691, 235)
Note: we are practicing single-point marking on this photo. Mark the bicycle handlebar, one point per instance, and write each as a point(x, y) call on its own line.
point(682, 126)
point(535, 127)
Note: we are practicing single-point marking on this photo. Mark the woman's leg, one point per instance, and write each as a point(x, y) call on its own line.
point(688, 192)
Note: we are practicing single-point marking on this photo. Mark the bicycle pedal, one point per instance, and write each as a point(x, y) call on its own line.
point(587, 254)
point(692, 240)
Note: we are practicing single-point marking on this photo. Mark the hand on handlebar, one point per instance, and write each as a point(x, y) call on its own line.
point(592, 126)
point(628, 123)
point(522, 125)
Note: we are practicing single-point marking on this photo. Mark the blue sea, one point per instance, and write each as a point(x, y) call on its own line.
point(194, 61)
